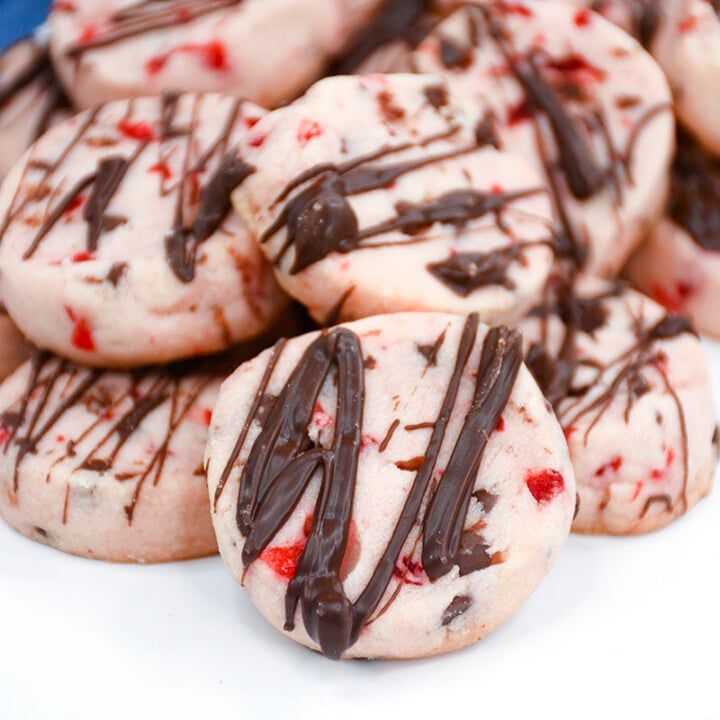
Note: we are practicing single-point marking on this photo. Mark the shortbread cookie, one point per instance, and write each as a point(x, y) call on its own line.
point(679, 263)
point(582, 100)
point(396, 487)
point(371, 194)
point(31, 99)
point(630, 386)
point(107, 465)
point(687, 46)
point(119, 219)
point(14, 349)
point(263, 50)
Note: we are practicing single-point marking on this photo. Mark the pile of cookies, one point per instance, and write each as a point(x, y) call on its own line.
point(333, 286)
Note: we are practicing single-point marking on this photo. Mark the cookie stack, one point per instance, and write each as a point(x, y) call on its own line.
point(397, 482)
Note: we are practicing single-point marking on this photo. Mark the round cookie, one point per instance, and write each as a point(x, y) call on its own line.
point(107, 465)
point(396, 487)
point(579, 98)
point(372, 194)
point(630, 386)
point(14, 349)
point(119, 219)
point(687, 46)
point(679, 264)
point(262, 50)
point(31, 99)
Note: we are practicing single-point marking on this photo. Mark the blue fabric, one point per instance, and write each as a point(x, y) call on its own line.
point(19, 18)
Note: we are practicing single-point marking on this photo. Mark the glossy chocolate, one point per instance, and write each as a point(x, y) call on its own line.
point(282, 461)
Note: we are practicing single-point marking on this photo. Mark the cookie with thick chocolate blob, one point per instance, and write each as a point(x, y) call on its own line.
point(375, 194)
point(394, 487)
point(577, 97)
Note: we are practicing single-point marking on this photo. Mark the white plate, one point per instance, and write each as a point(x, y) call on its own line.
point(621, 628)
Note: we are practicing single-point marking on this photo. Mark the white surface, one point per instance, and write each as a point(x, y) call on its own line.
point(621, 628)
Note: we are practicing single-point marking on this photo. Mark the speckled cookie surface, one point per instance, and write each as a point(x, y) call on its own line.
point(263, 50)
point(679, 263)
point(394, 487)
point(119, 220)
point(630, 386)
point(580, 98)
point(107, 465)
point(31, 98)
point(374, 194)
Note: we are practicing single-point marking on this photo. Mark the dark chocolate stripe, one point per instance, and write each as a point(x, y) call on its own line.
point(254, 409)
point(320, 220)
point(282, 462)
point(445, 517)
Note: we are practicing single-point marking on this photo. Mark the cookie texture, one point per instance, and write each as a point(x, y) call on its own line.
point(630, 385)
point(267, 51)
point(120, 220)
point(374, 194)
point(107, 465)
point(579, 98)
point(395, 487)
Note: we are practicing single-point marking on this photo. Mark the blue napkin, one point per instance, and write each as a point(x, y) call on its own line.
point(19, 18)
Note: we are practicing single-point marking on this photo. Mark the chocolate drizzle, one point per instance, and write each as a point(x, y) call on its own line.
point(181, 244)
point(627, 375)
point(320, 220)
point(210, 201)
point(55, 387)
point(282, 461)
point(148, 16)
point(570, 159)
point(695, 193)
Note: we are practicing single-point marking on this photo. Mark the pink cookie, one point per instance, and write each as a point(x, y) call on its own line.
point(631, 389)
point(579, 98)
point(31, 99)
point(107, 465)
point(119, 219)
point(679, 263)
point(373, 194)
point(263, 50)
point(396, 487)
